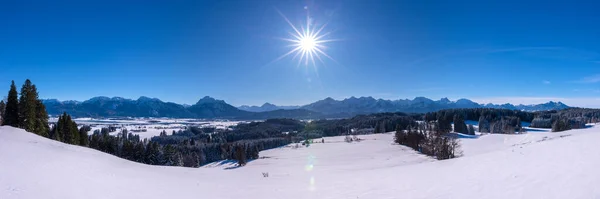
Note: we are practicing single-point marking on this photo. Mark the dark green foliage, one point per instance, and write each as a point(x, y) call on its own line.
point(66, 131)
point(501, 125)
point(240, 154)
point(11, 113)
point(561, 124)
point(363, 124)
point(27, 106)
point(2, 108)
point(41, 120)
point(474, 114)
point(152, 153)
point(444, 124)
point(83, 135)
point(410, 137)
point(574, 117)
point(27, 112)
point(459, 124)
point(429, 140)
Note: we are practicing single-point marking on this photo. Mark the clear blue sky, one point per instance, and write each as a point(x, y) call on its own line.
point(180, 51)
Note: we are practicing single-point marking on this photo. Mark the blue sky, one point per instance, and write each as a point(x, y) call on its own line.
point(180, 51)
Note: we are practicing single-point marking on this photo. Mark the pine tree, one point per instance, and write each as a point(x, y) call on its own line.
point(399, 135)
point(27, 106)
point(11, 113)
point(459, 124)
point(240, 154)
point(83, 135)
point(444, 125)
point(57, 132)
point(63, 129)
point(2, 108)
point(41, 120)
point(73, 131)
point(66, 131)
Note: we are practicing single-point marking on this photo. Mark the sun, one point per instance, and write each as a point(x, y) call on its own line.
point(307, 42)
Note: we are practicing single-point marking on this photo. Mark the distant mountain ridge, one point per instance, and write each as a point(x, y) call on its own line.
point(417, 105)
point(210, 108)
point(266, 107)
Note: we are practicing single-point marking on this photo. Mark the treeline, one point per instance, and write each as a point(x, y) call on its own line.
point(502, 121)
point(361, 124)
point(475, 113)
point(429, 138)
point(566, 119)
point(25, 110)
point(192, 147)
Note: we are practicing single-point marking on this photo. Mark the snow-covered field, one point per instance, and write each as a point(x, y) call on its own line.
point(150, 127)
point(533, 165)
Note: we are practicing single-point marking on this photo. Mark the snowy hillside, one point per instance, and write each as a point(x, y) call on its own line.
point(533, 165)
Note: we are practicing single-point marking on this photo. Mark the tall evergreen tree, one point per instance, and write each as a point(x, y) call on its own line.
point(444, 124)
point(66, 131)
point(11, 113)
point(73, 131)
point(56, 132)
point(2, 108)
point(83, 135)
point(459, 124)
point(41, 120)
point(27, 106)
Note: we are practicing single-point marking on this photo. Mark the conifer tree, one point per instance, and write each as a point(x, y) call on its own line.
point(459, 124)
point(2, 108)
point(27, 106)
point(72, 126)
point(11, 112)
point(83, 135)
point(60, 128)
point(56, 133)
point(66, 130)
point(41, 120)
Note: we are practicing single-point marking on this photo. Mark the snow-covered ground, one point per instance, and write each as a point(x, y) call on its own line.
point(532, 165)
point(151, 126)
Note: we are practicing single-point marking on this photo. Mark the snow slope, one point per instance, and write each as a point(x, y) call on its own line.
point(534, 165)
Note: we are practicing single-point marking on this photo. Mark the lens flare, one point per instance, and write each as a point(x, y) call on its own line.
point(307, 42)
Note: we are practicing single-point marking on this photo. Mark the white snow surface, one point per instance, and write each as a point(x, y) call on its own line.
point(533, 165)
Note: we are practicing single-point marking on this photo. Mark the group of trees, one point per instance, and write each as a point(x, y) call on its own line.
point(474, 114)
point(429, 139)
point(25, 111)
point(373, 123)
point(500, 125)
point(65, 130)
point(491, 120)
point(566, 119)
point(193, 146)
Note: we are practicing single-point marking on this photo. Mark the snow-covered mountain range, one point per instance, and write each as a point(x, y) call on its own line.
point(208, 107)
